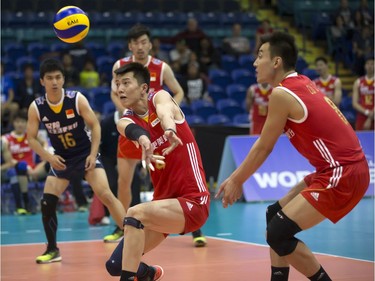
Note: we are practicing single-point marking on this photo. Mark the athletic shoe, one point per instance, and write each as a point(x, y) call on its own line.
point(155, 273)
point(115, 236)
point(105, 221)
point(198, 239)
point(49, 256)
point(22, 212)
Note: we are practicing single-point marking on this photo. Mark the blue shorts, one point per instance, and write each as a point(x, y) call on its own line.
point(75, 167)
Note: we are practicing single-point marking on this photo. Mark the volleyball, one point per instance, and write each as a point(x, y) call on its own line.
point(71, 24)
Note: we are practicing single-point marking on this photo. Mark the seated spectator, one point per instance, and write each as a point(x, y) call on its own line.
point(328, 84)
point(264, 28)
point(363, 97)
point(365, 11)
point(28, 88)
point(346, 13)
point(19, 159)
point(180, 54)
point(89, 77)
point(157, 52)
point(363, 46)
point(192, 35)
point(8, 105)
point(338, 30)
point(236, 44)
point(194, 85)
point(71, 72)
point(208, 56)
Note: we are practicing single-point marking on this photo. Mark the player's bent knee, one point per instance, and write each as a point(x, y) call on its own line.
point(280, 234)
point(272, 211)
point(113, 268)
point(133, 222)
point(48, 204)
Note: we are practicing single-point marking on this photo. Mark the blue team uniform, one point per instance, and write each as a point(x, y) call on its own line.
point(67, 133)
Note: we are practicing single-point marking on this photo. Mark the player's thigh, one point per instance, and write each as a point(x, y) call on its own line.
point(293, 192)
point(165, 216)
point(55, 186)
point(97, 179)
point(302, 212)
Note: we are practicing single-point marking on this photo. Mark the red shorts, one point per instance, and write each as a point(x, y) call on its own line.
point(127, 149)
point(335, 202)
point(195, 213)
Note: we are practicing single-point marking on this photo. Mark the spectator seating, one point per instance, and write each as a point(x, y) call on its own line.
point(228, 107)
point(237, 92)
point(243, 76)
point(218, 119)
point(203, 108)
point(216, 92)
point(219, 77)
point(193, 119)
point(241, 119)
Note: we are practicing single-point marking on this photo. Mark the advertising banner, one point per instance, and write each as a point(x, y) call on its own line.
point(283, 169)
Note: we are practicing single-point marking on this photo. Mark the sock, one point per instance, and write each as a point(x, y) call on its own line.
point(197, 233)
point(25, 196)
point(49, 218)
point(279, 273)
point(127, 275)
point(16, 191)
point(321, 275)
point(143, 270)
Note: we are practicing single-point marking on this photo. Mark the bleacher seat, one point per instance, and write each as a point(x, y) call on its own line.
point(193, 119)
point(246, 61)
point(311, 73)
point(104, 65)
point(241, 119)
point(186, 109)
point(216, 92)
point(203, 108)
point(99, 96)
point(301, 64)
point(108, 108)
point(219, 77)
point(229, 63)
point(59, 47)
point(229, 107)
point(236, 92)
point(96, 49)
point(14, 50)
point(22, 61)
point(243, 76)
point(37, 49)
point(218, 119)
point(116, 49)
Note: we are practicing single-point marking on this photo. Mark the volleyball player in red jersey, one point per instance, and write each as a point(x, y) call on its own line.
point(257, 105)
point(20, 158)
point(181, 198)
point(363, 97)
point(320, 132)
point(328, 84)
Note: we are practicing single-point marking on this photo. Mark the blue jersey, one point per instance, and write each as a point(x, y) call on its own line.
point(65, 126)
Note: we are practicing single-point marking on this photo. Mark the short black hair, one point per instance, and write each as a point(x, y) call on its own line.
point(140, 72)
point(21, 114)
point(50, 65)
point(137, 31)
point(323, 59)
point(283, 45)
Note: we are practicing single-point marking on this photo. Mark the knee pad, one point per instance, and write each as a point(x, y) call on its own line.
point(113, 265)
point(280, 234)
point(133, 222)
point(272, 210)
point(49, 204)
point(21, 168)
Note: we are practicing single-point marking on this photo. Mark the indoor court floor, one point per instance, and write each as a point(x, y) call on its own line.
point(236, 247)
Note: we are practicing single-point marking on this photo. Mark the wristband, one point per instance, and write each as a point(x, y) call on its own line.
point(172, 130)
point(134, 131)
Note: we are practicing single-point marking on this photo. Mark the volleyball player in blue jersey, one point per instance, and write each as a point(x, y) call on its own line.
point(65, 115)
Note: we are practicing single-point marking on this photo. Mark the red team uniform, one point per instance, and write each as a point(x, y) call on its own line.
point(327, 87)
point(20, 149)
point(175, 179)
point(126, 148)
point(260, 107)
point(366, 100)
point(342, 173)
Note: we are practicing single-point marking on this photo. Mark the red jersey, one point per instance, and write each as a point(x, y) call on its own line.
point(260, 107)
point(327, 86)
point(156, 69)
point(127, 149)
point(366, 100)
point(183, 174)
point(326, 145)
point(19, 148)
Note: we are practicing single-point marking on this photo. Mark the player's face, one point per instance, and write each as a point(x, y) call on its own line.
point(369, 67)
point(53, 82)
point(140, 47)
point(321, 67)
point(264, 65)
point(19, 125)
point(128, 90)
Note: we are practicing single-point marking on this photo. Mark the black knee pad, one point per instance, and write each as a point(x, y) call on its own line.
point(272, 210)
point(49, 204)
point(133, 222)
point(280, 234)
point(113, 265)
